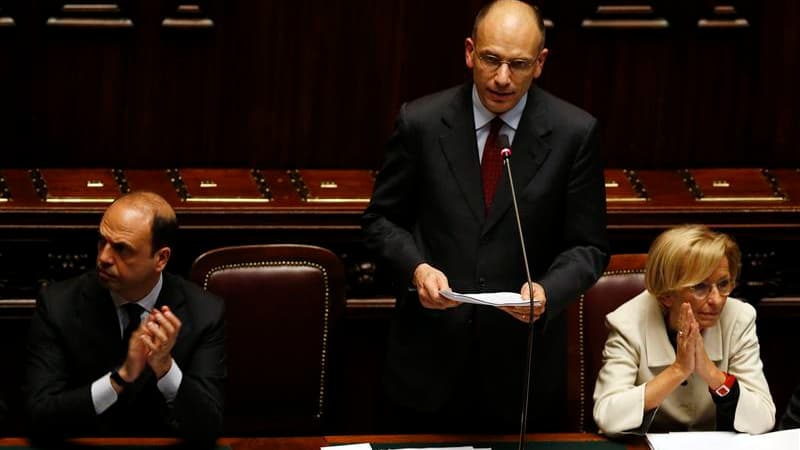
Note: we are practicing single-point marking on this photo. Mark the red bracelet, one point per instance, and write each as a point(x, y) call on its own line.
point(725, 387)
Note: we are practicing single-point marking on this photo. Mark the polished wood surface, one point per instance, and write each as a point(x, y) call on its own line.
point(44, 241)
point(315, 442)
point(318, 83)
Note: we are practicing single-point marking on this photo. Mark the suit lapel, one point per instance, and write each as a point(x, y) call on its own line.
point(529, 152)
point(460, 149)
point(98, 314)
point(171, 295)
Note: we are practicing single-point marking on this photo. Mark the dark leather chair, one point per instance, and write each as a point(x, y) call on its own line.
point(622, 280)
point(282, 306)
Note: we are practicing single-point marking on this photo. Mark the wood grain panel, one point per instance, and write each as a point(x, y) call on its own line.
point(317, 84)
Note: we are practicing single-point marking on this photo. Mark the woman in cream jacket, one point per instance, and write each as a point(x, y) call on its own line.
point(682, 355)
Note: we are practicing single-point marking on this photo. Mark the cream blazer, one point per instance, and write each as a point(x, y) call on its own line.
point(637, 349)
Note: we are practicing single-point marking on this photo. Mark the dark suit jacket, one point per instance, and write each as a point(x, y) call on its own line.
point(428, 206)
point(75, 339)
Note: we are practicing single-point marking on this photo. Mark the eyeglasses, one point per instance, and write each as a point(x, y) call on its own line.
point(701, 291)
point(516, 66)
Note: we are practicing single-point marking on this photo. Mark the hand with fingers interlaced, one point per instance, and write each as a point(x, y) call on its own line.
point(159, 337)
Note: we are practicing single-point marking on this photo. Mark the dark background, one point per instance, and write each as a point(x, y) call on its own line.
point(317, 83)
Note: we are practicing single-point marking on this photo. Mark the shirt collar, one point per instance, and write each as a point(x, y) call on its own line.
point(147, 302)
point(659, 349)
point(483, 116)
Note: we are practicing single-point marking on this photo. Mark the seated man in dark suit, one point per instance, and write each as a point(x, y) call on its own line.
point(127, 349)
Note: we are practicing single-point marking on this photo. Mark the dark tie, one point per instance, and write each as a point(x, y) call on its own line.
point(134, 312)
point(491, 164)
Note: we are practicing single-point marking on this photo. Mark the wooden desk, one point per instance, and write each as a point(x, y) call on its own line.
point(315, 442)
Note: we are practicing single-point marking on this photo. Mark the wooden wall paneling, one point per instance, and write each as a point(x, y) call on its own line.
point(724, 14)
point(323, 91)
point(187, 15)
point(81, 77)
point(625, 77)
point(625, 14)
point(716, 82)
point(775, 110)
point(15, 78)
point(318, 84)
point(85, 15)
point(175, 111)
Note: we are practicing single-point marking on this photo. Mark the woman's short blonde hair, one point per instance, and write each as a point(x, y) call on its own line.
point(686, 255)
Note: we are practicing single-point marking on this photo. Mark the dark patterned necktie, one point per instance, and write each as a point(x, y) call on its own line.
point(134, 312)
point(491, 164)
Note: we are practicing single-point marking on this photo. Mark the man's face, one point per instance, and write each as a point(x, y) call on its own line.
point(125, 261)
point(513, 41)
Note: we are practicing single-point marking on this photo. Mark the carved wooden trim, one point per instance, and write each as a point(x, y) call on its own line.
point(187, 23)
point(90, 15)
point(5, 193)
point(74, 22)
point(188, 16)
point(90, 8)
point(625, 24)
point(723, 16)
point(641, 16)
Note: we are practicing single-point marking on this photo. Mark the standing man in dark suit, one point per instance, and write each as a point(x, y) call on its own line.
point(441, 218)
point(128, 349)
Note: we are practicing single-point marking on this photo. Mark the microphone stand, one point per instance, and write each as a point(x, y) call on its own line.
point(506, 154)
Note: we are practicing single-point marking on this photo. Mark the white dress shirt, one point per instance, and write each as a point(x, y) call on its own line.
point(103, 393)
point(483, 117)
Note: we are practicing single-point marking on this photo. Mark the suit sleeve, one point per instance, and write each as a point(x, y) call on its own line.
point(392, 211)
point(197, 412)
point(618, 400)
point(585, 257)
point(755, 411)
point(51, 405)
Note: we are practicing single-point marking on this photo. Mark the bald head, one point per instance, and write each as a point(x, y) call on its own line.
point(163, 222)
point(509, 14)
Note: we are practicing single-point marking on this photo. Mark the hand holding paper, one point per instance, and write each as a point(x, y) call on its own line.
point(490, 299)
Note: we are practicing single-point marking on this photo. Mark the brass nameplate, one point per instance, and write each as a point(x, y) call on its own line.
point(79, 199)
point(227, 200)
point(741, 199)
point(337, 200)
point(626, 199)
point(720, 184)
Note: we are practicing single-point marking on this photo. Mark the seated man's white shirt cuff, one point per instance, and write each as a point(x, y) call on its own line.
point(103, 394)
point(170, 382)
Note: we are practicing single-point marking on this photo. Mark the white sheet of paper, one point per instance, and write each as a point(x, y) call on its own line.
point(363, 446)
point(692, 439)
point(490, 298)
point(777, 440)
point(438, 448)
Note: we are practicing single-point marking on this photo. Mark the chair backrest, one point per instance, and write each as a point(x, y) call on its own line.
point(622, 280)
point(282, 305)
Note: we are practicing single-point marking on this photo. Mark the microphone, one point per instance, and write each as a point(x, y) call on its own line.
point(505, 152)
